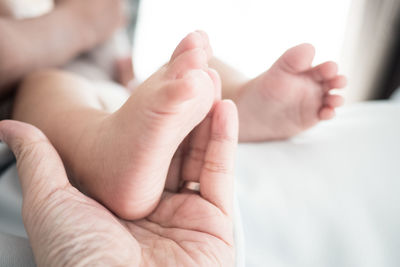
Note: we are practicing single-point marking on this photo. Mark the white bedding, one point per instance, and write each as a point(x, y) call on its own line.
point(329, 197)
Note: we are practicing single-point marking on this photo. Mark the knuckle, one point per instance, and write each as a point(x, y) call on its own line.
point(32, 141)
point(223, 138)
point(33, 149)
point(216, 167)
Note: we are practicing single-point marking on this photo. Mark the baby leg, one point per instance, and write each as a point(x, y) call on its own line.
point(122, 158)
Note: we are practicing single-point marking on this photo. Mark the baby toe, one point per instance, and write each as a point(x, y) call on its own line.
point(206, 43)
point(338, 82)
point(324, 71)
point(333, 101)
point(296, 59)
point(326, 113)
point(191, 41)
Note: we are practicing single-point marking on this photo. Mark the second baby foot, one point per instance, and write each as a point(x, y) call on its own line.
point(288, 98)
point(129, 151)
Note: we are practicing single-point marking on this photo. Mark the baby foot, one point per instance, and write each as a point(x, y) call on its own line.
point(288, 98)
point(129, 151)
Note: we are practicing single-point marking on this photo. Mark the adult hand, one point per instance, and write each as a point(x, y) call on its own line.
point(98, 19)
point(186, 229)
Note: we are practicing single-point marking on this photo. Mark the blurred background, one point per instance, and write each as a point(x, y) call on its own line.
point(362, 35)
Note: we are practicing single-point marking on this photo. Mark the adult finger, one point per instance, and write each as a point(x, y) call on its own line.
point(216, 179)
point(53, 209)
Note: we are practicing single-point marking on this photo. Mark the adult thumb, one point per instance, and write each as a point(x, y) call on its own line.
point(40, 169)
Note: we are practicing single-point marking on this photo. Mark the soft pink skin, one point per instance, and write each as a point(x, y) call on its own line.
point(67, 228)
point(133, 152)
point(288, 98)
point(123, 71)
point(122, 159)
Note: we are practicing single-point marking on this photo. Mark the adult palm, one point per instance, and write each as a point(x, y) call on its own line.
point(187, 228)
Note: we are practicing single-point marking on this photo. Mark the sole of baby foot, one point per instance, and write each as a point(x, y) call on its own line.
point(131, 150)
point(289, 98)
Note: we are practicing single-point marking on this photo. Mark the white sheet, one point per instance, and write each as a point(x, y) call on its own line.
point(330, 197)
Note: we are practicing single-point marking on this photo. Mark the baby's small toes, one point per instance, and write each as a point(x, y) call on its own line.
point(186, 88)
point(206, 43)
point(217, 82)
point(333, 101)
point(338, 82)
point(326, 113)
point(324, 71)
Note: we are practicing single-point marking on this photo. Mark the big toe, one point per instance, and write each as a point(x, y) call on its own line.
point(297, 59)
point(197, 39)
point(193, 52)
